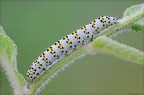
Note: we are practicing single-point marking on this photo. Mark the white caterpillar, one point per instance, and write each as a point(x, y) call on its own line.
point(67, 44)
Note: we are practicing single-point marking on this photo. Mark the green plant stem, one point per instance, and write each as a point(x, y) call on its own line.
point(66, 60)
point(110, 46)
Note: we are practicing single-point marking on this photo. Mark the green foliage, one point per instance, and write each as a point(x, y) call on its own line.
point(138, 26)
point(133, 10)
point(8, 52)
point(7, 46)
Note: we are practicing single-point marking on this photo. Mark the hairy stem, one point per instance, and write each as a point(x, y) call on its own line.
point(108, 45)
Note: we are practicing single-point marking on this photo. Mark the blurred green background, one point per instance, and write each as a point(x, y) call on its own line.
point(35, 25)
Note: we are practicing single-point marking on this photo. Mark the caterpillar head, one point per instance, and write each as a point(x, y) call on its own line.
point(113, 20)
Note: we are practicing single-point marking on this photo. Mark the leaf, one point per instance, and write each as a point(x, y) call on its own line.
point(8, 53)
point(138, 26)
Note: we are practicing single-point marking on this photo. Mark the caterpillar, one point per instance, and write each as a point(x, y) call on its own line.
point(68, 44)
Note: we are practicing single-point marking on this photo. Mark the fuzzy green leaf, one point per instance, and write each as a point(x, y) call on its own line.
point(8, 52)
point(138, 26)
